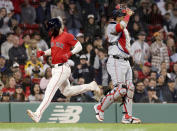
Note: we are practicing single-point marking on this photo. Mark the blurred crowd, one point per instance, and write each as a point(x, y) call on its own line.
point(23, 31)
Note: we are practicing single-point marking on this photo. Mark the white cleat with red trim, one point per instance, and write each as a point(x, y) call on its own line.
point(99, 112)
point(33, 116)
point(126, 119)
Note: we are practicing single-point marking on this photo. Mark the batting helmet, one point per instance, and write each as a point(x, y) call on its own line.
point(54, 26)
point(118, 13)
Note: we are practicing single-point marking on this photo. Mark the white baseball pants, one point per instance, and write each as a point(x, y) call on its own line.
point(59, 80)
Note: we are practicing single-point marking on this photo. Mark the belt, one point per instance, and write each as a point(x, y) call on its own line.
point(117, 57)
point(60, 64)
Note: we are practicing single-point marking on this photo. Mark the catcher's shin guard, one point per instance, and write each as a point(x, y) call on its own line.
point(127, 106)
point(112, 96)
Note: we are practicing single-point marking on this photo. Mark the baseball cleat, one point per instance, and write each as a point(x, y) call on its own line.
point(99, 112)
point(33, 116)
point(126, 119)
point(96, 89)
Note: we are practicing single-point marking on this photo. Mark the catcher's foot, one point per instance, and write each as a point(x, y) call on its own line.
point(33, 116)
point(99, 112)
point(126, 119)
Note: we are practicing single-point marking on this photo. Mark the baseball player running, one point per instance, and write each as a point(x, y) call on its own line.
point(118, 66)
point(61, 43)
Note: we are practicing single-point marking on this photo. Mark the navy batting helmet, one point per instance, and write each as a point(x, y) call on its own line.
point(54, 26)
point(118, 13)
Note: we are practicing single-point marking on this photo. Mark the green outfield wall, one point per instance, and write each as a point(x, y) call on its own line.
point(84, 113)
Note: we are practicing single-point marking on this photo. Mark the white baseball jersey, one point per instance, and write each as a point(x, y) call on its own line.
point(139, 51)
point(121, 37)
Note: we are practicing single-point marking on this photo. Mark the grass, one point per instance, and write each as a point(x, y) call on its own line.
point(86, 127)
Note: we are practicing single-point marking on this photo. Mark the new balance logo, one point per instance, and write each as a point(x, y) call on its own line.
point(69, 115)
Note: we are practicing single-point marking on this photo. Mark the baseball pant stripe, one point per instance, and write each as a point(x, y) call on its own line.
point(51, 92)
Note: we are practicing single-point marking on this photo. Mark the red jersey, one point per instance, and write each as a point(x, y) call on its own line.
point(61, 45)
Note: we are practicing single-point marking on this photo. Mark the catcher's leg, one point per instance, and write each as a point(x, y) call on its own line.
point(127, 105)
point(118, 91)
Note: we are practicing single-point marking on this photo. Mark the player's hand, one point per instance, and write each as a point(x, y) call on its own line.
point(66, 56)
point(40, 53)
point(129, 11)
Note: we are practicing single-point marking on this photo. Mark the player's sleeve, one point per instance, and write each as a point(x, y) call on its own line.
point(118, 28)
point(71, 40)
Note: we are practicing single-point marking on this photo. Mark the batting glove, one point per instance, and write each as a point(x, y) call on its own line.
point(40, 53)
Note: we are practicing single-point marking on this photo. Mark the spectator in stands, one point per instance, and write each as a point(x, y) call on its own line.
point(91, 29)
point(42, 12)
point(5, 97)
point(90, 53)
point(58, 10)
point(26, 84)
point(160, 86)
point(18, 96)
point(73, 19)
point(18, 32)
point(7, 4)
point(28, 13)
point(167, 23)
point(135, 75)
point(170, 93)
point(159, 52)
point(34, 67)
point(101, 73)
point(169, 5)
point(41, 44)
point(5, 18)
point(140, 92)
point(48, 63)
point(152, 97)
point(140, 49)
point(17, 53)
point(173, 74)
point(146, 82)
point(84, 70)
point(7, 45)
point(18, 77)
point(80, 38)
point(45, 80)
point(144, 10)
point(36, 94)
point(153, 75)
point(17, 9)
point(152, 83)
point(174, 18)
point(4, 69)
point(98, 42)
point(144, 73)
point(1, 95)
point(134, 30)
point(171, 46)
point(1, 85)
point(32, 48)
point(10, 86)
point(155, 15)
point(87, 7)
point(163, 72)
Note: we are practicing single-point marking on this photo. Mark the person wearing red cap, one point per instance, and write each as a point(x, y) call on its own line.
point(144, 73)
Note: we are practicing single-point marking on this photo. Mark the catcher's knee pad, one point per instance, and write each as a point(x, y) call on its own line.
point(119, 91)
point(130, 90)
